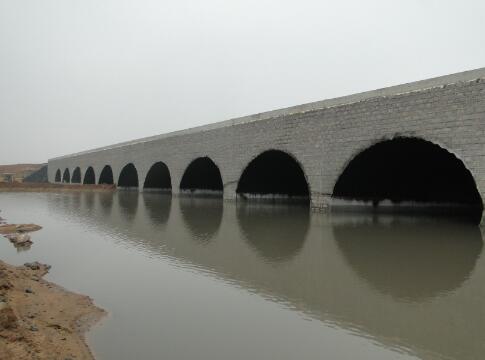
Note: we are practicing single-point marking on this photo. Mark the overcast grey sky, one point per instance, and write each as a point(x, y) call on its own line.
point(81, 74)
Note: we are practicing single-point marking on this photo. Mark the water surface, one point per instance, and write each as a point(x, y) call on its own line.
point(190, 278)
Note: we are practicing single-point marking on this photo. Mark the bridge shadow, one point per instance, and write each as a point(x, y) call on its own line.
point(410, 259)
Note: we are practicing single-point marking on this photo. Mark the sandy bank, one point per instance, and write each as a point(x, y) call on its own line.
point(40, 320)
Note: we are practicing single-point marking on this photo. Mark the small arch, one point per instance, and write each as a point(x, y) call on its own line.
point(66, 177)
point(89, 177)
point(128, 177)
point(158, 178)
point(76, 176)
point(273, 174)
point(202, 175)
point(106, 176)
point(58, 176)
point(412, 174)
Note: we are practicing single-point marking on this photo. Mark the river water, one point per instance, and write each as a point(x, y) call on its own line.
point(189, 278)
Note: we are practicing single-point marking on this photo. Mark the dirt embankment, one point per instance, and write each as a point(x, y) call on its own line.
point(40, 320)
point(48, 187)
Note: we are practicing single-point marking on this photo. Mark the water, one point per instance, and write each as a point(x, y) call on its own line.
point(198, 279)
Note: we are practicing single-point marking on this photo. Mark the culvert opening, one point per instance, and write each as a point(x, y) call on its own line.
point(106, 176)
point(158, 178)
point(76, 176)
point(66, 177)
point(410, 174)
point(89, 177)
point(202, 176)
point(128, 177)
point(58, 176)
point(273, 175)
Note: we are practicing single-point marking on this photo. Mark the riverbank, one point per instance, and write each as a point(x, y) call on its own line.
point(40, 320)
point(45, 187)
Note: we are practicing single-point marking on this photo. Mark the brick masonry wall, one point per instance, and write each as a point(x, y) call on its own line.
point(323, 137)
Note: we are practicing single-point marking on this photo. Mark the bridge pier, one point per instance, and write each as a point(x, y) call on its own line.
point(229, 190)
point(320, 201)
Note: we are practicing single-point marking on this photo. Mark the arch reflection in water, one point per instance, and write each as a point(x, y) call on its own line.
point(276, 232)
point(158, 207)
point(202, 216)
point(412, 260)
point(128, 203)
point(106, 202)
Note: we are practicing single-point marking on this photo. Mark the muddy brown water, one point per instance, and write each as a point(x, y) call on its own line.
point(195, 278)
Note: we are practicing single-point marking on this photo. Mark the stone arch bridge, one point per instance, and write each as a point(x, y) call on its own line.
point(422, 142)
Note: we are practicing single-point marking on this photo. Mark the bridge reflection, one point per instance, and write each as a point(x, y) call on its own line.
point(409, 261)
point(405, 284)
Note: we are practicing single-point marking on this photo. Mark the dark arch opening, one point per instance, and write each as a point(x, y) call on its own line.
point(58, 175)
point(128, 177)
point(158, 178)
point(273, 174)
point(202, 174)
point(89, 177)
point(106, 176)
point(66, 177)
point(414, 174)
point(76, 176)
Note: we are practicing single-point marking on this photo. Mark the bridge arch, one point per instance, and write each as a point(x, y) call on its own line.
point(413, 171)
point(158, 178)
point(128, 177)
point(274, 174)
point(203, 175)
point(106, 176)
point(89, 176)
point(58, 177)
point(76, 176)
point(66, 176)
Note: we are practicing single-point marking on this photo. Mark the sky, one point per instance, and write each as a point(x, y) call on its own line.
point(76, 75)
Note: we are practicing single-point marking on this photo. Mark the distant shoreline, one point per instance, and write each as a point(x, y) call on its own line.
point(48, 187)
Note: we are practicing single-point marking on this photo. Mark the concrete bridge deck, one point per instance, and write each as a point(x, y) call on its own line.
point(322, 138)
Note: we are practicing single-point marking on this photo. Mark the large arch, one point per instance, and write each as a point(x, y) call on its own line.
point(89, 176)
point(66, 177)
point(273, 174)
point(58, 177)
point(413, 172)
point(202, 174)
point(158, 178)
point(76, 176)
point(128, 177)
point(106, 176)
